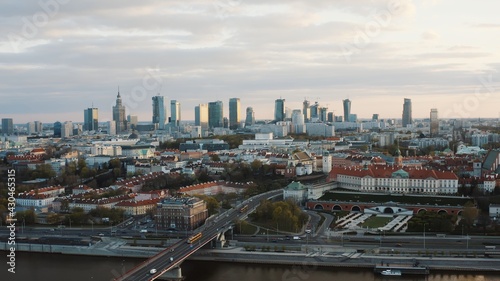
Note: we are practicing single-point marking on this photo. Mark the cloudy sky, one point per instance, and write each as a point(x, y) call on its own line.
point(63, 56)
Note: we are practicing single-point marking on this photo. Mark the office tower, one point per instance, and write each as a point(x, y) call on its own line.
point(322, 114)
point(57, 129)
point(201, 116)
point(7, 126)
point(434, 122)
point(119, 115)
point(347, 109)
point(225, 121)
point(90, 119)
point(111, 128)
point(132, 121)
point(375, 117)
point(159, 113)
point(215, 114)
point(298, 125)
point(315, 110)
point(306, 110)
point(175, 113)
point(66, 129)
point(331, 117)
point(279, 110)
point(250, 119)
point(30, 128)
point(407, 120)
point(234, 113)
point(38, 126)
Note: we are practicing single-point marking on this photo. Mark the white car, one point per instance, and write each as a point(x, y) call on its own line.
point(152, 271)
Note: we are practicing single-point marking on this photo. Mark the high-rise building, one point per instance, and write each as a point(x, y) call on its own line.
point(57, 129)
point(298, 125)
point(279, 110)
point(201, 116)
point(331, 117)
point(215, 114)
point(91, 119)
point(347, 109)
point(306, 110)
point(175, 113)
point(66, 129)
point(407, 120)
point(159, 113)
point(322, 114)
point(434, 126)
point(7, 126)
point(315, 110)
point(111, 128)
point(250, 117)
point(234, 113)
point(132, 121)
point(30, 127)
point(375, 117)
point(119, 115)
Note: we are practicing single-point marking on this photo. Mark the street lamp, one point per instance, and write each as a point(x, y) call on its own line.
point(424, 236)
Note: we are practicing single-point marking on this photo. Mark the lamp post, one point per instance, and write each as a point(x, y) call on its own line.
point(424, 236)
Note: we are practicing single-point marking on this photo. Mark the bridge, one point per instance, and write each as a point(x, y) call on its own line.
point(167, 263)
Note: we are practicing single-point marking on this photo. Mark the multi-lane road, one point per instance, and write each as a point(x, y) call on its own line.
point(177, 253)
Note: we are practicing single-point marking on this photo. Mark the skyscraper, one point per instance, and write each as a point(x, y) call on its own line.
point(119, 114)
point(90, 119)
point(315, 110)
point(279, 110)
point(201, 116)
point(159, 112)
point(407, 120)
point(375, 117)
point(434, 126)
point(234, 113)
point(250, 117)
point(132, 121)
point(66, 129)
point(306, 110)
point(57, 129)
point(347, 110)
point(215, 114)
point(322, 113)
point(7, 126)
point(175, 113)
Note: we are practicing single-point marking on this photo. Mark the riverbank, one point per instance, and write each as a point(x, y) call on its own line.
point(305, 257)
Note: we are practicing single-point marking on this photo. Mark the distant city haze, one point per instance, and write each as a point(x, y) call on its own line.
point(60, 59)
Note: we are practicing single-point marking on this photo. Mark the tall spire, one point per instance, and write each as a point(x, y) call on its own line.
point(118, 92)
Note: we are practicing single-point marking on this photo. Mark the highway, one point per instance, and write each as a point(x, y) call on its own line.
point(177, 253)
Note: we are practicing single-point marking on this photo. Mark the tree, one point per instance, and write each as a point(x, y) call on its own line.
point(469, 214)
point(256, 165)
point(215, 158)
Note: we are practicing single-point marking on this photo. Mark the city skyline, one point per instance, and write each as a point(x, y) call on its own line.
point(373, 53)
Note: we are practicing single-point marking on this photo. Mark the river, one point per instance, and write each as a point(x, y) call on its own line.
point(34, 266)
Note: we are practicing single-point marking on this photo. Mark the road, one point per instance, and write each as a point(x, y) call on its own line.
point(177, 253)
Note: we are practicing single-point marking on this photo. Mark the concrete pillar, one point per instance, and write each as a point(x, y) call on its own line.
point(172, 275)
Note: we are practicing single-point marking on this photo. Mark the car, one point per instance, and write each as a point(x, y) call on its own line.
point(171, 259)
point(101, 234)
point(399, 245)
point(152, 271)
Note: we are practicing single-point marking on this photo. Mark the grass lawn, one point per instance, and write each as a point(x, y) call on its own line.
point(374, 222)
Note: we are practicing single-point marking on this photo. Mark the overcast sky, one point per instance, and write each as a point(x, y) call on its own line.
point(56, 60)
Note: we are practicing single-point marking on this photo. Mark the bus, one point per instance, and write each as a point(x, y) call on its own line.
point(244, 209)
point(194, 238)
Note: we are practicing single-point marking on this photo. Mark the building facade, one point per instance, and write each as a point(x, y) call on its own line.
point(234, 113)
point(407, 116)
point(279, 110)
point(159, 112)
point(119, 115)
point(215, 114)
point(434, 125)
point(201, 116)
point(91, 119)
point(175, 113)
point(347, 109)
point(183, 214)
